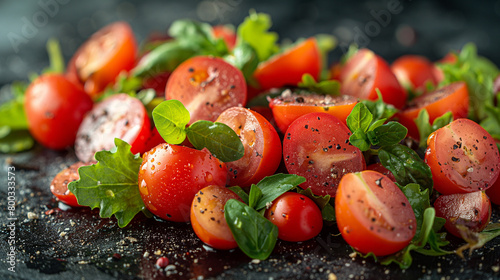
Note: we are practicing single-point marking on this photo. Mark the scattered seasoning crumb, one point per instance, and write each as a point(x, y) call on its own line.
point(32, 216)
point(352, 255)
point(255, 261)
point(146, 254)
point(158, 252)
point(72, 223)
point(62, 234)
point(332, 276)
point(495, 268)
point(83, 262)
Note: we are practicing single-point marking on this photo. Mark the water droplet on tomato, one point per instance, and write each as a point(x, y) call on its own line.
point(152, 167)
point(209, 177)
point(144, 188)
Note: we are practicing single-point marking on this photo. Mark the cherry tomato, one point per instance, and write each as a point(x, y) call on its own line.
point(157, 82)
point(59, 185)
point(297, 217)
point(373, 214)
point(381, 169)
point(55, 107)
point(463, 158)
point(316, 146)
point(262, 146)
point(365, 72)
point(227, 34)
point(414, 72)
point(494, 192)
point(101, 58)
point(207, 86)
point(335, 70)
point(171, 175)
point(451, 98)
point(290, 106)
point(450, 58)
point(118, 116)
point(288, 68)
point(472, 210)
point(207, 217)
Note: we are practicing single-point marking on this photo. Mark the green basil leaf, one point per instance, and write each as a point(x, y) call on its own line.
point(218, 138)
point(359, 118)
point(424, 127)
point(419, 201)
point(14, 141)
point(170, 118)
point(376, 124)
point(360, 140)
point(388, 134)
point(111, 184)
point(254, 31)
point(197, 36)
point(275, 185)
point(442, 121)
point(241, 193)
point(254, 196)
point(245, 58)
point(379, 109)
point(330, 87)
point(406, 166)
point(255, 235)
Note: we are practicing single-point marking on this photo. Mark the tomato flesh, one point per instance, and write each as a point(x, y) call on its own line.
point(59, 185)
point(297, 217)
point(171, 175)
point(472, 210)
point(414, 72)
point(207, 86)
point(118, 116)
point(373, 214)
point(262, 146)
point(207, 217)
point(463, 158)
point(316, 146)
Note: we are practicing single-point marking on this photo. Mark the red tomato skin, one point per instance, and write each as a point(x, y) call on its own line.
point(225, 33)
point(59, 185)
point(157, 82)
point(297, 217)
point(171, 175)
point(289, 67)
point(55, 107)
point(207, 86)
point(451, 98)
point(364, 72)
point(213, 232)
point(494, 192)
point(381, 169)
point(368, 230)
point(287, 110)
point(413, 72)
point(472, 210)
point(451, 172)
point(94, 72)
point(316, 146)
point(262, 146)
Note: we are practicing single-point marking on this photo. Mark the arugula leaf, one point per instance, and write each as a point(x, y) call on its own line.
point(170, 118)
point(330, 87)
point(254, 31)
point(323, 202)
point(244, 57)
point(406, 166)
point(425, 128)
point(241, 193)
point(275, 185)
point(388, 134)
point(255, 235)
point(111, 184)
point(359, 118)
point(477, 240)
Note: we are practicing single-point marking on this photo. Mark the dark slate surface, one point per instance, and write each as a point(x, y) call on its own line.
point(77, 244)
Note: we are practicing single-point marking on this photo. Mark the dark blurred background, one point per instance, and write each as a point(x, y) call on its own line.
point(391, 28)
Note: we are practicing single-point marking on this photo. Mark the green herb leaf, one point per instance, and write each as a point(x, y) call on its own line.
point(14, 141)
point(254, 196)
point(419, 201)
point(245, 58)
point(406, 166)
point(330, 87)
point(360, 140)
point(477, 240)
point(323, 202)
point(275, 185)
point(218, 138)
point(55, 57)
point(379, 109)
point(351, 51)
point(254, 31)
point(171, 118)
point(388, 134)
point(359, 118)
point(111, 184)
point(197, 36)
point(492, 122)
point(255, 235)
point(376, 124)
point(425, 128)
point(241, 193)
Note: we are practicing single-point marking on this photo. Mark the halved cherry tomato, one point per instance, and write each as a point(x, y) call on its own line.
point(207, 217)
point(494, 192)
point(287, 68)
point(207, 86)
point(290, 106)
point(118, 116)
point(316, 146)
point(55, 107)
point(373, 214)
point(262, 146)
point(365, 72)
point(452, 98)
point(226, 33)
point(413, 72)
point(171, 175)
point(472, 210)
point(59, 185)
point(297, 217)
point(101, 58)
point(463, 158)
point(381, 169)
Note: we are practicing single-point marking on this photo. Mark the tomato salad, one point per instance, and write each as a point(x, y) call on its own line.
point(251, 141)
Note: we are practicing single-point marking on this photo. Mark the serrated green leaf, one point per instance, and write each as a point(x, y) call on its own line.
point(275, 185)
point(218, 138)
point(359, 118)
point(111, 184)
point(170, 118)
point(255, 31)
